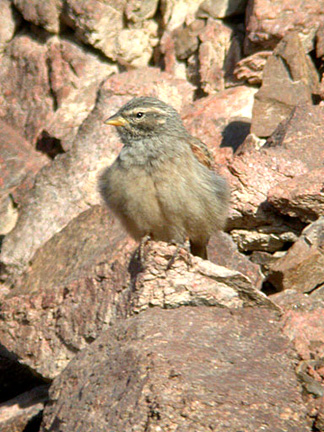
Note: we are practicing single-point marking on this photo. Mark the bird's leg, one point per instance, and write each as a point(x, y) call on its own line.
point(180, 246)
point(140, 252)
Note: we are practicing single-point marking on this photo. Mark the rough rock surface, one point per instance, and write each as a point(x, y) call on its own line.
point(221, 121)
point(215, 362)
point(221, 9)
point(69, 185)
point(79, 282)
point(285, 156)
point(8, 26)
point(268, 21)
point(19, 163)
point(17, 413)
point(224, 252)
point(301, 197)
point(302, 268)
point(25, 97)
point(69, 294)
point(45, 14)
point(75, 77)
point(289, 79)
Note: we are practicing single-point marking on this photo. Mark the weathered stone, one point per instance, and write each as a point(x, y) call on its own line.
point(301, 197)
point(188, 369)
point(16, 413)
point(8, 23)
point(302, 268)
point(19, 163)
point(264, 259)
point(221, 9)
point(69, 185)
point(45, 14)
point(253, 173)
point(268, 21)
point(219, 52)
point(134, 47)
point(186, 39)
point(320, 41)
point(26, 102)
point(204, 283)
point(75, 76)
point(264, 238)
point(251, 68)
point(222, 120)
point(175, 13)
point(138, 10)
point(223, 251)
point(90, 260)
point(293, 136)
point(96, 22)
point(69, 294)
point(289, 79)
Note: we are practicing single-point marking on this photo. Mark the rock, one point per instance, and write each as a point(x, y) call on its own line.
point(69, 185)
point(25, 95)
point(204, 283)
point(303, 324)
point(70, 293)
point(75, 77)
point(8, 25)
point(221, 9)
point(19, 163)
point(89, 260)
point(253, 172)
point(251, 68)
point(269, 21)
point(101, 25)
point(186, 40)
point(16, 413)
point(302, 268)
point(187, 369)
point(263, 260)
point(134, 47)
point(43, 14)
point(221, 121)
point(223, 251)
point(289, 79)
point(264, 238)
point(320, 41)
point(304, 123)
point(175, 13)
point(140, 10)
point(219, 51)
point(96, 23)
point(301, 196)
point(256, 172)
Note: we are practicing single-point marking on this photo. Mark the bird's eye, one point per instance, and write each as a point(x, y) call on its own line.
point(139, 114)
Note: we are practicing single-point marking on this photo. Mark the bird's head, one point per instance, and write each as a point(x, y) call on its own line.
point(145, 117)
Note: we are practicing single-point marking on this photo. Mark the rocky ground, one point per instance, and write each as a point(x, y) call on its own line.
point(90, 340)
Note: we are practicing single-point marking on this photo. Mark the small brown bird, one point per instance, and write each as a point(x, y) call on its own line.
point(162, 184)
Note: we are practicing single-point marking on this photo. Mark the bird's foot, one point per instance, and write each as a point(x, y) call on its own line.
point(140, 254)
point(182, 249)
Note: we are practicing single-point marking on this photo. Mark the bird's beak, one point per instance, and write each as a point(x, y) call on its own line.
point(116, 120)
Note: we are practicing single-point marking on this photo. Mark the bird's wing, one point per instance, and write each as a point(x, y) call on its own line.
point(201, 152)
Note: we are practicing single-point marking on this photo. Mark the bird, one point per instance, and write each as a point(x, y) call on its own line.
point(163, 185)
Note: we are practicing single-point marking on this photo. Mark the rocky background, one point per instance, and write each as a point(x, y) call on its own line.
point(91, 340)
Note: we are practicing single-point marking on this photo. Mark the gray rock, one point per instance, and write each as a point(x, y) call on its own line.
point(289, 79)
point(221, 9)
point(268, 21)
point(188, 369)
point(45, 14)
point(302, 268)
